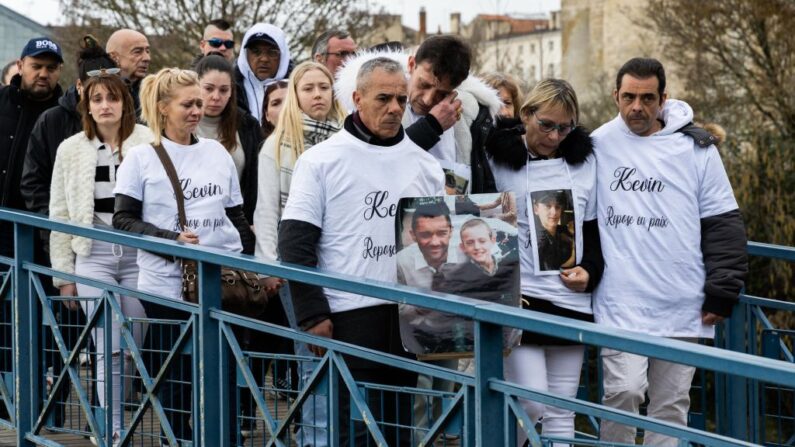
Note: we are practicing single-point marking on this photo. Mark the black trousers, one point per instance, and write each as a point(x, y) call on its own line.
point(256, 341)
point(376, 328)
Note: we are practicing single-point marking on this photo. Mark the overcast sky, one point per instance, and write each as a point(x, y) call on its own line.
point(438, 11)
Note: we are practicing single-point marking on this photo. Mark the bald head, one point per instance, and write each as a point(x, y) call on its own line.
point(130, 50)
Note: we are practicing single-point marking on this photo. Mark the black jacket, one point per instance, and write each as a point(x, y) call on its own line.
point(135, 91)
point(128, 212)
point(52, 128)
point(18, 114)
point(240, 90)
point(251, 138)
point(426, 132)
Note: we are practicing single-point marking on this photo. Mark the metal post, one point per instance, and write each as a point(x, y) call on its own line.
point(489, 411)
point(214, 424)
point(26, 346)
point(107, 352)
point(737, 415)
point(333, 408)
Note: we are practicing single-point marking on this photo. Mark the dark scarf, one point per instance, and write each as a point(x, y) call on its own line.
point(355, 126)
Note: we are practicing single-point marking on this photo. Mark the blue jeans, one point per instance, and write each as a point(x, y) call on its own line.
point(314, 419)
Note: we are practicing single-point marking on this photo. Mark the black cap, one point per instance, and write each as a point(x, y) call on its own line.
point(552, 195)
point(261, 37)
point(42, 45)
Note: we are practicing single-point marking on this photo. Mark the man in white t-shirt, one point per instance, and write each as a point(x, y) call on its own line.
point(450, 113)
point(672, 238)
point(340, 217)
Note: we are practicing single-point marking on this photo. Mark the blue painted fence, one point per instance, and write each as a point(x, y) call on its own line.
point(749, 399)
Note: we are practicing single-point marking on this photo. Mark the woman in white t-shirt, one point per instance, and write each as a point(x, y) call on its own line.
point(171, 105)
point(81, 191)
point(560, 254)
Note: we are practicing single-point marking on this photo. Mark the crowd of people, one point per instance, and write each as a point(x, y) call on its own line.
point(634, 226)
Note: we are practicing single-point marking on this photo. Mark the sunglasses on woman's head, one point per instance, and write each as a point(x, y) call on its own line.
point(103, 71)
point(216, 43)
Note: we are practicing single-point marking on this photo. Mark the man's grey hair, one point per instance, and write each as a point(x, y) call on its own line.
point(390, 66)
point(321, 43)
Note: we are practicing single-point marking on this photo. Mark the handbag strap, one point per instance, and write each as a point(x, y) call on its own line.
point(171, 173)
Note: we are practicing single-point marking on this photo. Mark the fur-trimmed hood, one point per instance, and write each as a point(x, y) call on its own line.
point(509, 136)
point(345, 82)
point(577, 146)
point(471, 92)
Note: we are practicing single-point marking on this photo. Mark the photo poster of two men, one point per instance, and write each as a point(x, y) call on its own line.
point(460, 244)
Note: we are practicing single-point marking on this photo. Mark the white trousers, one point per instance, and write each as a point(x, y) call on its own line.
point(113, 264)
point(555, 369)
point(627, 379)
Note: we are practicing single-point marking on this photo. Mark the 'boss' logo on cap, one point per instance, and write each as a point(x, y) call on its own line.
point(46, 44)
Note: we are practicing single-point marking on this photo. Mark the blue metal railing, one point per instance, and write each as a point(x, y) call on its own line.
point(484, 410)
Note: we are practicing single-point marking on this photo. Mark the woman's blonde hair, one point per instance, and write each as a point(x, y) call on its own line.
point(158, 89)
point(290, 128)
point(552, 92)
point(506, 81)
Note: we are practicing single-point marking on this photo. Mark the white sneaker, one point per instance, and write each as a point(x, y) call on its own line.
point(116, 440)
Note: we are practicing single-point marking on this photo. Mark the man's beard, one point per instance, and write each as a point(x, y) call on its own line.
point(38, 93)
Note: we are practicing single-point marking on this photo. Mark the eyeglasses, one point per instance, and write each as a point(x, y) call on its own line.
point(215, 42)
point(549, 126)
point(270, 53)
point(103, 71)
point(341, 54)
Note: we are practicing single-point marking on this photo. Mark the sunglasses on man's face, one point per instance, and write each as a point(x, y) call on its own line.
point(103, 71)
point(216, 43)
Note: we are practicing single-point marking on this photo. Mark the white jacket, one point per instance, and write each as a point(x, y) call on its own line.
point(272, 191)
point(72, 194)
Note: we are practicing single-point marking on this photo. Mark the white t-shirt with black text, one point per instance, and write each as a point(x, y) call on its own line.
point(581, 180)
point(209, 183)
point(652, 193)
point(350, 190)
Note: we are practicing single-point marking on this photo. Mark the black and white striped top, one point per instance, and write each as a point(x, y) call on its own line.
point(104, 182)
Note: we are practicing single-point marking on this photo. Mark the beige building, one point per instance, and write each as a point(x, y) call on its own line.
point(528, 48)
point(599, 36)
point(387, 28)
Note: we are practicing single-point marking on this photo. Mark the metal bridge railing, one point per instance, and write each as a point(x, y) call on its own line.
point(205, 389)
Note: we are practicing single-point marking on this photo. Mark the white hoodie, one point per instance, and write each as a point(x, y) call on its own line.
point(652, 193)
point(255, 88)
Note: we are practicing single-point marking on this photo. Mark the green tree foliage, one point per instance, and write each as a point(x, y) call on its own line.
point(737, 61)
